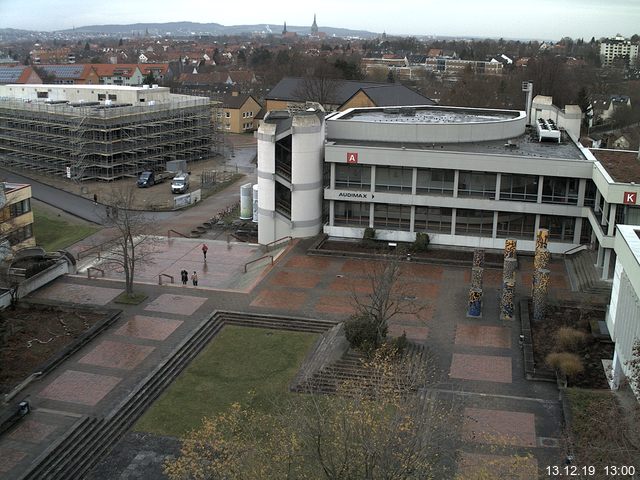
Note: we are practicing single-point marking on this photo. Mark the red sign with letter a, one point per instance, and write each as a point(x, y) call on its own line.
point(630, 198)
point(352, 157)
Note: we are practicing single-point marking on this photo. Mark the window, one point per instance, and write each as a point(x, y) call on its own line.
point(560, 228)
point(519, 187)
point(433, 219)
point(435, 180)
point(590, 194)
point(394, 179)
point(392, 217)
point(113, 97)
point(560, 190)
point(516, 225)
point(20, 208)
point(356, 177)
point(351, 213)
point(227, 114)
point(20, 235)
point(477, 184)
point(474, 222)
point(43, 94)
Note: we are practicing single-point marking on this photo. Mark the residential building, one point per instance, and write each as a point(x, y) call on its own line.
point(294, 93)
point(618, 48)
point(468, 177)
point(238, 112)
point(602, 107)
point(77, 74)
point(100, 132)
point(18, 74)
point(16, 217)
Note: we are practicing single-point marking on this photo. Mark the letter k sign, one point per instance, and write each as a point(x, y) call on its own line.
point(630, 198)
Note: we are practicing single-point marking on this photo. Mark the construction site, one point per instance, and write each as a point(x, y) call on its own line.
point(101, 132)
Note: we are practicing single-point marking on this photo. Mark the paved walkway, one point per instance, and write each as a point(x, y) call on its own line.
point(479, 361)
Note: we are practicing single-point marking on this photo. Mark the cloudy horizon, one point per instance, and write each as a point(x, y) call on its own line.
point(543, 19)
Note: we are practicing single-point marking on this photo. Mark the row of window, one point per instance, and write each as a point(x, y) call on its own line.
point(15, 210)
point(19, 235)
point(438, 220)
point(247, 114)
point(470, 184)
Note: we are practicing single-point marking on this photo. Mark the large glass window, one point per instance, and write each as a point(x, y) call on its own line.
point(394, 179)
point(392, 217)
point(477, 184)
point(519, 187)
point(20, 235)
point(516, 225)
point(435, 180)
point(351, 213)
point(433, 219)
point(474, 222)
point(20, 208)
point(355, 177)
point(590, 194)
point(560, 190)
point(560, 228)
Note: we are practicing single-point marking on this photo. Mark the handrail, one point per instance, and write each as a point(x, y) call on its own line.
point(175, 231)
point(257, 259)
point(574, 250)
point(288, 237)
point(164, 275)
point(96, 269)
point(99, 247)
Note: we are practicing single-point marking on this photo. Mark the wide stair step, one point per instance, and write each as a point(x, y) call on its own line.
point(585, 275)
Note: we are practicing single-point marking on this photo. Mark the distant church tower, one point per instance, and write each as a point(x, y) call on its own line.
point(284, 30)
point(314, 26)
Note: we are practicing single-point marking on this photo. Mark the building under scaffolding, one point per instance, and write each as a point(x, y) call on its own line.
point(101, 132)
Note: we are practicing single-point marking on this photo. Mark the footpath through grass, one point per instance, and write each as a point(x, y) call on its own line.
point(53, 233)
point(237, 361)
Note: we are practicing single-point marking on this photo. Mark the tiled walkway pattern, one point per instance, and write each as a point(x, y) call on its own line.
point(480, 361)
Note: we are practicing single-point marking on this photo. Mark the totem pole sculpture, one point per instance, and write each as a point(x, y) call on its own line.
point(508, 279)
point(475, 292)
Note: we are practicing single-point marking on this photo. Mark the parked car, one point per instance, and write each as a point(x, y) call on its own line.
point(149, 178)
point(180, 183)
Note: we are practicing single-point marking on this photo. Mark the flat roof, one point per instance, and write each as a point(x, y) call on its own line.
point(85, 87)
point(526, 146)
point(426, 114)
point(622, 165)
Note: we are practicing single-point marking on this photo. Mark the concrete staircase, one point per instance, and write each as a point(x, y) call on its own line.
point(584, 275)
point(91, 437)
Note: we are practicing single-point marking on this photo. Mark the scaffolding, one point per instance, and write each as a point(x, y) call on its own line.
point(104, 143)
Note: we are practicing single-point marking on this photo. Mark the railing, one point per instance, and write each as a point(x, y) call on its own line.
point(91, 249)
point(257, 260)
point(176, 232)
point(574, 250)
point(288, 237)
point(96, 269)
point(170, 277)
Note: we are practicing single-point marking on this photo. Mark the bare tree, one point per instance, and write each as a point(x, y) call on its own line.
point(133, 244)
point(320, 84)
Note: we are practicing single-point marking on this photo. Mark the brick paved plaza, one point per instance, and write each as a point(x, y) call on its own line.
point(478, 360)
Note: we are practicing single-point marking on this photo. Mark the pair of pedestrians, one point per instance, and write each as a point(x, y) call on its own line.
point(184, 275)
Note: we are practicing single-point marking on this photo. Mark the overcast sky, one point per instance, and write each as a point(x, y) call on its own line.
point(541, 19)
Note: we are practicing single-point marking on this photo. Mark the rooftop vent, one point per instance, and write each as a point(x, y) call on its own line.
point(547, 130)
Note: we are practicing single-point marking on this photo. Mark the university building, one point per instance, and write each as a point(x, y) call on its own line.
point(468, 177)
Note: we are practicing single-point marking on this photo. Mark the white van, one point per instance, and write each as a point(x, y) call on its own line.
point(180, 183)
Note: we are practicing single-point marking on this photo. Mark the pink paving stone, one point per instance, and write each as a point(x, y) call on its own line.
point(177, 304)
point(483, 336)
point(490, 277)
point(311, 263)
point(281, 299)
point(9, 458)
point(80, 387)
point(413, 333)
point(421, 271)
point(420, 290)
point(359, 267)
point(296, 279)
point(499, 427)
point(31, 431)
point(347, 284)
point(481, 367)
point(497, 466)
point(338, 304)
point(74, 293)
point(152, 328)
point(117, 355)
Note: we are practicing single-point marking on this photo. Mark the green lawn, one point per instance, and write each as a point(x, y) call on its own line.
point(237, 361)
point(53, 233)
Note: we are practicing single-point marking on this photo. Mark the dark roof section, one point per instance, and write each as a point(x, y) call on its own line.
point(622, 165)
point(237, 101)
point(290, 88)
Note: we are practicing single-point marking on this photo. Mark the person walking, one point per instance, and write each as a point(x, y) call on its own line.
point(204, 251)
point(95, 198)
point(194, 278)
point(184, 276)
